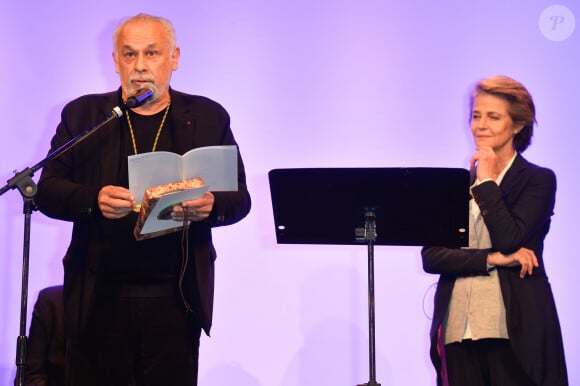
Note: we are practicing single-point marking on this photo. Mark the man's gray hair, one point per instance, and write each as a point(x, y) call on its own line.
point(143, 17)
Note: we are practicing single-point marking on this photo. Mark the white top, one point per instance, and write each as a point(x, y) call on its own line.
point(476, 309)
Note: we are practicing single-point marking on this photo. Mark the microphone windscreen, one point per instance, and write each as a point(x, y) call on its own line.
point(141, 96)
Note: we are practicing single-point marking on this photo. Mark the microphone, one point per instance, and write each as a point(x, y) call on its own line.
point(141, 96)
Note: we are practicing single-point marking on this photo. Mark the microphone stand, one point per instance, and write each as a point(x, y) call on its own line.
point(27, 188)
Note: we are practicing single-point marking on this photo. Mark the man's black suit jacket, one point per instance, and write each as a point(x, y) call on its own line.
point(69, 185)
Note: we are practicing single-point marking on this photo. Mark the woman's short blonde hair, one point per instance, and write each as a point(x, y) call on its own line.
point(521, 105)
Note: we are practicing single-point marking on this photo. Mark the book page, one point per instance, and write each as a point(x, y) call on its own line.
point(216, 165)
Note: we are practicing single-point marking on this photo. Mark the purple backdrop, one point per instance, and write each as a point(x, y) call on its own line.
point(308, 84)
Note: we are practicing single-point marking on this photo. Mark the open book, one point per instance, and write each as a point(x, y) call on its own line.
point(157, 204)
point(170, 179)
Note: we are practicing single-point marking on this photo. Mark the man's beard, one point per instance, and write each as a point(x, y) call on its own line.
point(145, 79)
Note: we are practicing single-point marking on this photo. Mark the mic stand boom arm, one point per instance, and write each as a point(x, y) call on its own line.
point(23, 181)
point(27, 173)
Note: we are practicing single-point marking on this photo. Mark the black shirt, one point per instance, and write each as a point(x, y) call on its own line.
point(148, 260)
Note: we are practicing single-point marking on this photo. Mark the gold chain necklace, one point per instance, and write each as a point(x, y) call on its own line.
point(156, 135)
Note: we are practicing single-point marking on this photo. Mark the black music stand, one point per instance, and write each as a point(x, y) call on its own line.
point(376, 206)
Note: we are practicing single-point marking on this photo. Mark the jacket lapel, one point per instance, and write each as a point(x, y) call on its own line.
point(110, 140)
point(510, 184)
point(183, 123)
